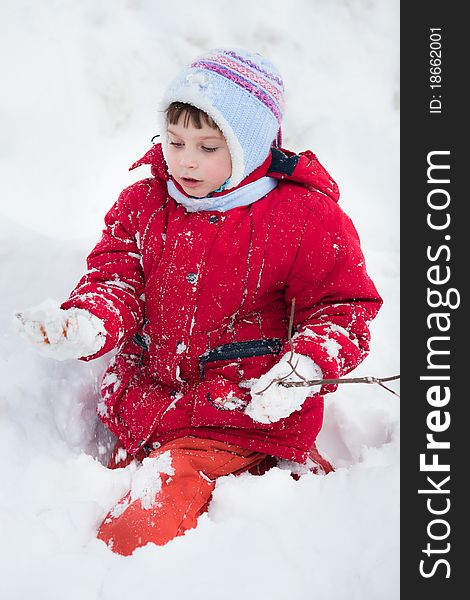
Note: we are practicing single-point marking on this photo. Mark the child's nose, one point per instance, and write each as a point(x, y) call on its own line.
point(187, 159)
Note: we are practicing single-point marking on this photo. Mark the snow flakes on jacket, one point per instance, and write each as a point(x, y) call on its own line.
point(199, 302)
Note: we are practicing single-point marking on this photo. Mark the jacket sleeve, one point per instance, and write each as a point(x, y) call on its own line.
point(335, 299)
point(113, 286)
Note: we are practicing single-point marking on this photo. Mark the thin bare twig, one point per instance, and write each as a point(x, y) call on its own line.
point(289, 329)
point(289, 339)
point(307, 383)
point(289, 362)
point(377, 380)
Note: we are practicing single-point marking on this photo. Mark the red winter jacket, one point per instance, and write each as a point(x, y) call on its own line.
point(191, 298)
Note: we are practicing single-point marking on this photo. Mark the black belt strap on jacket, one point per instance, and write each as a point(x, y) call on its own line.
point(141, 341)
point(235, 350)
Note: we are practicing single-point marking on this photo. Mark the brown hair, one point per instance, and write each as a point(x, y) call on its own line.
point(190, 113)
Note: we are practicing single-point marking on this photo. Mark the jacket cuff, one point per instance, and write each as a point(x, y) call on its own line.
point(314, 349)
point(104, 310)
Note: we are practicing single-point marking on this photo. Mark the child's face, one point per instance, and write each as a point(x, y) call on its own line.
point(199, 159)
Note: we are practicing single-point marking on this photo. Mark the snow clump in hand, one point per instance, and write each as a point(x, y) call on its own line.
point(278, 402)
point(61, 334)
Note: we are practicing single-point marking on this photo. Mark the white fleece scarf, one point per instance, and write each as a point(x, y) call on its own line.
point(241, 196)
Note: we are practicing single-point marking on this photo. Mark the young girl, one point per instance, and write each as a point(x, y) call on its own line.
point(194, 281)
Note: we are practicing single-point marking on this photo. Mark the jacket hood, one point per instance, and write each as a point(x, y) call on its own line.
point(304, 169)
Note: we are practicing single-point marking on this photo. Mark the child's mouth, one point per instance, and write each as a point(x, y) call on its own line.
point(190, 181)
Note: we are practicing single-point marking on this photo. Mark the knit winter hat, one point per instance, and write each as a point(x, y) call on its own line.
point(244, 94)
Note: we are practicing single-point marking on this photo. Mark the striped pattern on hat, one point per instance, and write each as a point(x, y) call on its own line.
point(255, 78)
point(244, 94)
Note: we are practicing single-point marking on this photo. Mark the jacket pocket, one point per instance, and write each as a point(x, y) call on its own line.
point(222, 404)
point(238, 351)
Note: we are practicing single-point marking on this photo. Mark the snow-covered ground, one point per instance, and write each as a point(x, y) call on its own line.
point(80, 86)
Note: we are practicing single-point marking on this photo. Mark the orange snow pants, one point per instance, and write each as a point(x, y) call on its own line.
point(179, 490)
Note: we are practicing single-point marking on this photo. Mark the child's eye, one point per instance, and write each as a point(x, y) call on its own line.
point(176, 144)
point(209, 149)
